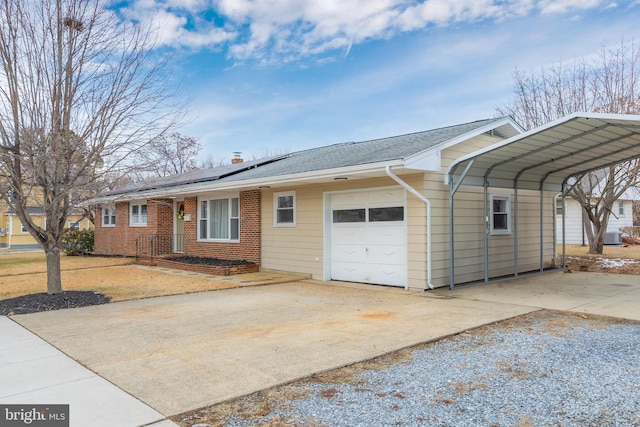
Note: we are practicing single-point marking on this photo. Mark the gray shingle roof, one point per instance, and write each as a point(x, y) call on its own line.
point(316, 159)
point(359, 153)
point(202, 175)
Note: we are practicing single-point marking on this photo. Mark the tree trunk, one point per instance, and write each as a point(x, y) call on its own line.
point(596, 245)
point(54, 280)
point(596, 229)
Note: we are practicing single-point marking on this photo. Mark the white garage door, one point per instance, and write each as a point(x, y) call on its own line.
point(368, 237)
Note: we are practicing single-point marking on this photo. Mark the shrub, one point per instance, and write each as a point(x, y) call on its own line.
point(77, 242)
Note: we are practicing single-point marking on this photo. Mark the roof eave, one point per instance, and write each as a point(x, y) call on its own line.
point(326, 175)
point(429, 159)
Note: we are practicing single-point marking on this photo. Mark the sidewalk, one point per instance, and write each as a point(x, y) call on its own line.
point(34, 372)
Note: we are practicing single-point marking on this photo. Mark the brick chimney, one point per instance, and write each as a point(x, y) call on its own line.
point(237, 158)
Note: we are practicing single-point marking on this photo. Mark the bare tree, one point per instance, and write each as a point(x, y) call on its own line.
point(80, 93)
point(168, 155)
point(212, 161)
point(609, 84)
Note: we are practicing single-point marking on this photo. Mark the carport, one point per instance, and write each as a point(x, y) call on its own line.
point(547, 158)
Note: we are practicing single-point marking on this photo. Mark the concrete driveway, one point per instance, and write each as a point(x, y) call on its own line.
point(184, 352)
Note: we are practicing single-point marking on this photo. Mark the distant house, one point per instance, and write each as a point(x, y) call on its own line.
point(442, 207)
point(621, 217)
point(15, 236)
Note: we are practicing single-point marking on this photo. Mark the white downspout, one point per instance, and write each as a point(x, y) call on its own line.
point(427, 202)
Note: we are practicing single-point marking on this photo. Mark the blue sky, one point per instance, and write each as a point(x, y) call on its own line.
point(266, 76)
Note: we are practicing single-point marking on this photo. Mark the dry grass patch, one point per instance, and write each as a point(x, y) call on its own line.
point(35, 262)
point(114, 277)
point(258, 405)
point(630, 252)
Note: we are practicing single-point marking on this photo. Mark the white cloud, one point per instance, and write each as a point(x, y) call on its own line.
point(268, 31)
point(176, 23)
point(564, 6)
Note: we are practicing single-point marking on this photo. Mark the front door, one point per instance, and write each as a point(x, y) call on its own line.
point(178, 242)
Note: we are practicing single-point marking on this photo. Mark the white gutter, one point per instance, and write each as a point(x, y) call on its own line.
point(427, 202)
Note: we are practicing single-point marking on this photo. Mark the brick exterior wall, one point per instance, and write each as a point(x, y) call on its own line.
point(248, 248)
point(121, 239)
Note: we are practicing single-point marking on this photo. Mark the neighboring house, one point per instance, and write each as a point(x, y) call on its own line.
point(621, 217)
point(13, 235)
point(452, 205)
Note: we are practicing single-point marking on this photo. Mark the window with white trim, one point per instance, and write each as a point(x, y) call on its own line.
point(137, 214)
point(219, 219)
point(621, 208)
point(284, 208)
point(23, 229)
point(559, 207)
point(500, 214)
point(108, 216)
point(74, 225)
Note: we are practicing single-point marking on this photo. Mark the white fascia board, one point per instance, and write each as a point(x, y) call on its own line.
point(429, 159)
point(205, 187)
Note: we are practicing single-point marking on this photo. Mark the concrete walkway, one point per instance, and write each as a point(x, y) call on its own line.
point(35, 372)
point(183, 352)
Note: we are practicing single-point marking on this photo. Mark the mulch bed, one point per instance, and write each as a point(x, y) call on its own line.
point(207, 261)
point(34, 303)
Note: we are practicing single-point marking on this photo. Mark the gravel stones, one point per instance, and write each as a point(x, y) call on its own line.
point(542, 369)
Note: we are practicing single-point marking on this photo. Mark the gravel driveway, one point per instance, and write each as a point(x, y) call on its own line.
point(542, 369)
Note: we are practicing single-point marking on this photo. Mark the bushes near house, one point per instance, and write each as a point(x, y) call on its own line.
point(77, 242)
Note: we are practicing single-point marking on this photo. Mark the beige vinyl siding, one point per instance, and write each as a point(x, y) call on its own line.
point(469, 237)
point(297, 248)
point(469, 226)
point(301, 248)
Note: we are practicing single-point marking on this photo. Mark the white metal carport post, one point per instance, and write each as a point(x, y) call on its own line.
point(453, 187)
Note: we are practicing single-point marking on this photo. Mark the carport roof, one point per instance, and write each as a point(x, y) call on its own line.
point(547, 156)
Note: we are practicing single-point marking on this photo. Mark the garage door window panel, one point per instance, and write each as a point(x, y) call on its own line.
point(349, 215)
point(395, 213)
